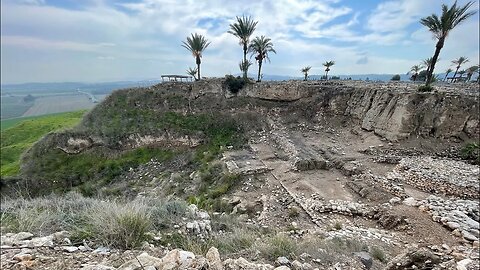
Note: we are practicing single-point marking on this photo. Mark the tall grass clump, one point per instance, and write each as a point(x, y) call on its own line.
point(120, 224)
point(278, 246)
point(43, 215)
point(116, 224)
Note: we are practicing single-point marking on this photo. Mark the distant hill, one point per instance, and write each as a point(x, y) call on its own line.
point(94, 88)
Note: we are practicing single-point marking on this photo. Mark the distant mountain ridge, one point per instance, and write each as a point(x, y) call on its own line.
point(73, 86)
point(109, 86)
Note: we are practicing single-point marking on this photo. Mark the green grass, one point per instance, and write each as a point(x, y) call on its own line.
point(17, 135)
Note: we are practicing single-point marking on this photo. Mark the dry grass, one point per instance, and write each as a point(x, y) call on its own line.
point(122, 224)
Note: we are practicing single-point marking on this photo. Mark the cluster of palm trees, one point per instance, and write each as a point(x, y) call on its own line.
point(440, 28)
point(418, 71)
point(327, 66)
point(260, 47)
point(243, 29)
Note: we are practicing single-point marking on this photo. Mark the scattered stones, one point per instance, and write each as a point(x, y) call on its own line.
point(460, 216)
point(441, 176)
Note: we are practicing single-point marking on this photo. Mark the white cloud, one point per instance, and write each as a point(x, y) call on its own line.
point(145, 37)
point(397, 15)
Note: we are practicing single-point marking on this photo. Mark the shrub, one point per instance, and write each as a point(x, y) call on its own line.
point(425, 88)
point(395, 77)
point(237, 241)
point(116, 224)
point(471, 151)
point(378, 254)
point(278, 246)
point(234, 84)
point(338, 226)
point(293, 212)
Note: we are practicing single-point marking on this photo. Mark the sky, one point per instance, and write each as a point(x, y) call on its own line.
point(113, 40)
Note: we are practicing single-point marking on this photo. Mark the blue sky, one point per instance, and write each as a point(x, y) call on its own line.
point(109, 40)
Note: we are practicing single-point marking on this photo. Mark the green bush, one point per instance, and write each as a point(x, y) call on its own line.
point(471, 151)
point(425, 88)
point(378, 254)
point(234, 84)
point(395, 77)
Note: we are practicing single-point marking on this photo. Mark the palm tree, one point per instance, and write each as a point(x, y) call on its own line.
point(196, 45)
point(470, 71)
point(260, 47)
point(416, 69)
point(446, 74)
point(440, 27)
point(328, 64)
point(192, 72)
point(460, 61)
point(305, 71)
point(243, 29)
point(244, 65)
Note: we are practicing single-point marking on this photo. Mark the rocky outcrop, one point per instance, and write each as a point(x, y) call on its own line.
point(396, 114)
point(280, 91)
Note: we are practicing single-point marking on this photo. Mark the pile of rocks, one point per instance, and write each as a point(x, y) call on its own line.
point(460, 216)
point(201, 225)
point(440, 176)
point(365, 234)
point(391, 183)
point(317, 204)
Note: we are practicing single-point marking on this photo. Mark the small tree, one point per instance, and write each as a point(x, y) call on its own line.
point(244, 65)
point(459, 62)
point(305, 71)
point(446, 74)
point(192, 72)
point(328, 64)
point(415, 70)
point(196, 45)
point(395, 77)
point(470, 71)
point(260, 47)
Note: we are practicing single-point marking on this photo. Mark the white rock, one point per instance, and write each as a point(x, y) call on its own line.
point(410, 201)
point(462, 265)
point(70, 248)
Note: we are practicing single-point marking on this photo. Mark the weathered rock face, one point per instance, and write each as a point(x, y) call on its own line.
point(397, 114)
point(293, 90)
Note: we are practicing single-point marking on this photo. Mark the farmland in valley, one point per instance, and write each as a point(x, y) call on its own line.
point(61, 103)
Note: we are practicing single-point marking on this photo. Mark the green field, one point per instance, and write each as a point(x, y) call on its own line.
point(17, 135)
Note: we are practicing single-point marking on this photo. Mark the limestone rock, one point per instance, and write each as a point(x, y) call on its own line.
point(213, 258)
point(145, 261)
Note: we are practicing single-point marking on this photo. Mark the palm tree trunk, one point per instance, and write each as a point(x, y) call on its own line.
point(326, 76)
point(430, 69)
point(305, 76)
point(455, 74)
point(445, 79)
point(259, 69)
point(198, 67)
point(245, 60)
